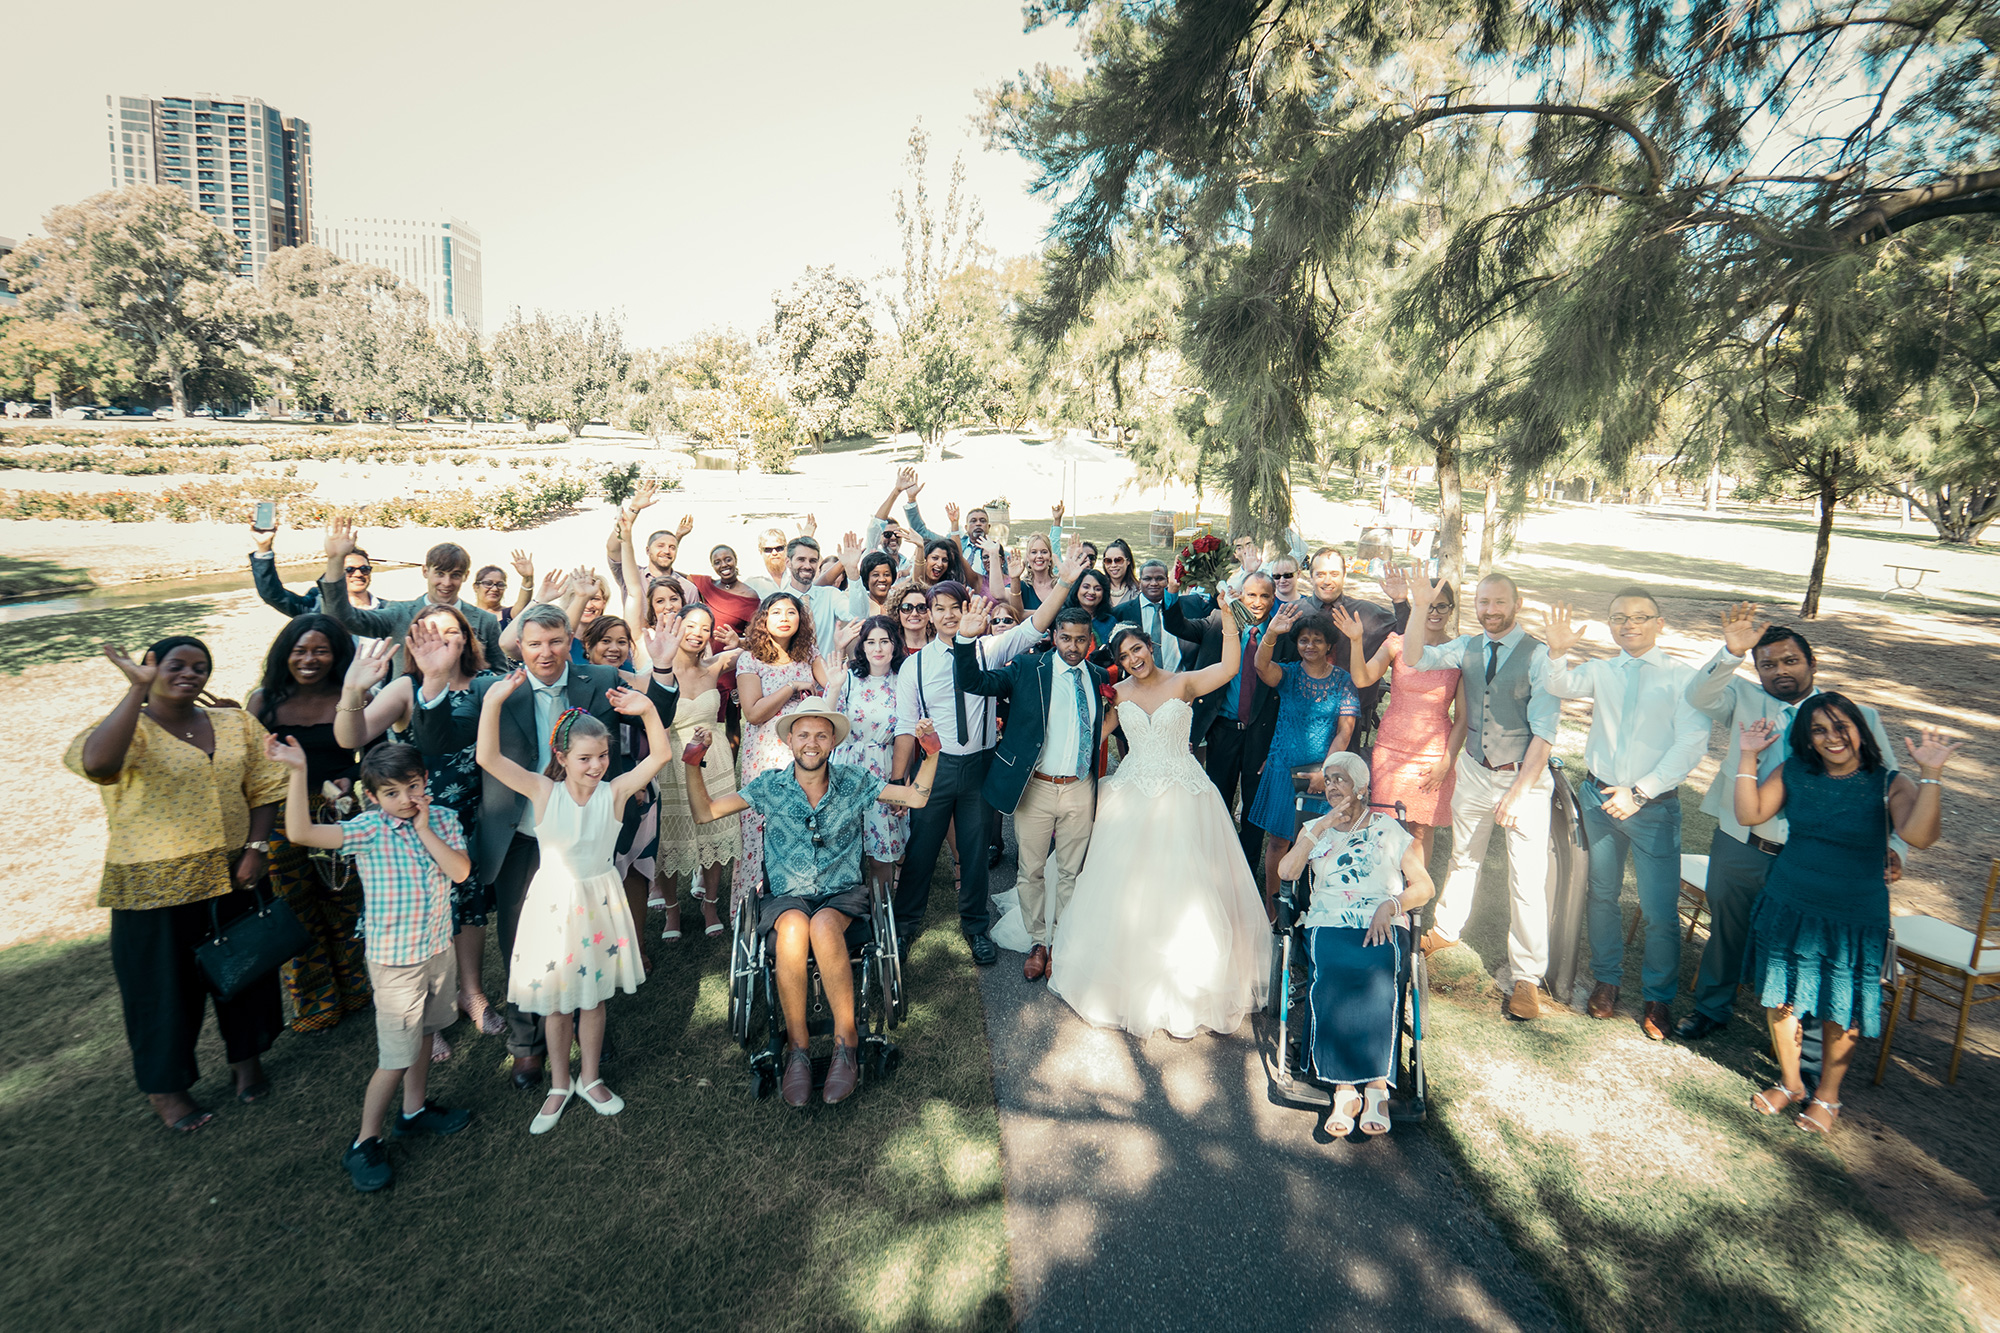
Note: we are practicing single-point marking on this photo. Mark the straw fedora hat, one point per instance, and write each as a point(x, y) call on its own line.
point(815, 707)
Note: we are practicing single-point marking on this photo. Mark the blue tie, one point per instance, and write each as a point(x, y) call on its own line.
point(1774, 754)
point(1083, 747)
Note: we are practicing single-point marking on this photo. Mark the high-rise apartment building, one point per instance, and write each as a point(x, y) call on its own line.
point(240, 161)
point(438, 256)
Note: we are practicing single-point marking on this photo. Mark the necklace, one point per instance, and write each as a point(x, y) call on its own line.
point(187, 735)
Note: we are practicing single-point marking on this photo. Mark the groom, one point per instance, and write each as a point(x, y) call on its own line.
point(1044, 771)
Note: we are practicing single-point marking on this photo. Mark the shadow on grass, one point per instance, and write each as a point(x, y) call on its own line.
point(1784, 521)
point(697, 1208)
point(21, 577)
point(52, 640)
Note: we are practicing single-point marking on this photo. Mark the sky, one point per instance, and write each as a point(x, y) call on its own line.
point(676, 162)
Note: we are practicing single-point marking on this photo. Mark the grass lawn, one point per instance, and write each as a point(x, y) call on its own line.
point(697, 1208)
point(1634, 1178)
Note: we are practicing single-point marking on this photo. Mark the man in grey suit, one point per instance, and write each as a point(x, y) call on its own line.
point(505, 854)
point(1738, 857)
point(445, 568)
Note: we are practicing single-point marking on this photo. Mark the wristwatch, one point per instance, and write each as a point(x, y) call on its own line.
point(258, 846)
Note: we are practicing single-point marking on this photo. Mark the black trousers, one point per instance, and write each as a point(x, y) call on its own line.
point(165, 993)
point(955, 793)
point(510, 888)
point(1236, 755)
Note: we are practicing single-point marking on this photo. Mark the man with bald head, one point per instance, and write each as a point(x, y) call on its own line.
point(1513, 715)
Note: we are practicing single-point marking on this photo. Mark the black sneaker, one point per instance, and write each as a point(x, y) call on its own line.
point(983, 951)
point(367, 1164)
point(433, 1119)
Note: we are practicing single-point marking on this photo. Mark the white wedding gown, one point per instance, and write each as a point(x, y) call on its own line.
point(1166, 929)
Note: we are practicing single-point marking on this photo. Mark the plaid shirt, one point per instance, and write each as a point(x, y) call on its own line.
point(810, 852)
point(408, 899)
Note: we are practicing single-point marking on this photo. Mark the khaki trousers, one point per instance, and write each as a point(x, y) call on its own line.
point(1063, 812)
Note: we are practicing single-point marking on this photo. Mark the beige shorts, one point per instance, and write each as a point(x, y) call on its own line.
point(412, 1001)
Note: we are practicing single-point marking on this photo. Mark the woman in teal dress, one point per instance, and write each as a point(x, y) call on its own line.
point(1820, 929)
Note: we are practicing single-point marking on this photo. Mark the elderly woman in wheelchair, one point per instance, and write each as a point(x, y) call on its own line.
point(1367, 874)
point(813, 891)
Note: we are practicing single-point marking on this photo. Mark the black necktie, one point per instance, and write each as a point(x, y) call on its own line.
point(958, 698)
point(1492, 659)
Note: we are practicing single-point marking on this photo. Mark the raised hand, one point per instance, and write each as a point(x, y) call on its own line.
point(286, 751)
point(906, 479)
point(1558, 631)
point(1074, 562)
point(524, 565)
point(429, 651)
point(850, 552)
point(581, 581)
point(371, 662)
point(554, 583)
point(339, 537)
point(810, 528)
point(142, 674)
point(645, 494)
point(845, 635)
point(496, 694)
point(1431, 591)
point(1288, 616)
point(1741, 629)
point(684, 527)
point(624, 525)
point(1757, 736)
point(631, 703)
point(663, 640)
point(973, 620)
point(1932, 752)
point(1395, 582)
point(951, 513)
point(264, 538)
point(1345, 621)
point(1056, 512)
point(726, 636)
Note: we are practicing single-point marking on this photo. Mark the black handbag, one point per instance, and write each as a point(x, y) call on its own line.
point(252, 945)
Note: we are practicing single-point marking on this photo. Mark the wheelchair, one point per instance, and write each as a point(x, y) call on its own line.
point(1290, 980)
point(757, 1021)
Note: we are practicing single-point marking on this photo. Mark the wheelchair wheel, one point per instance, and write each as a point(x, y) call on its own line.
point(763, 1082)
point(1279, 980)
point(743, 968)
point(894, 1002)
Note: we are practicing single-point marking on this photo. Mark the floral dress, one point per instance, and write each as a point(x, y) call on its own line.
point(870, 705)
point(762, 751)
point(687, 848)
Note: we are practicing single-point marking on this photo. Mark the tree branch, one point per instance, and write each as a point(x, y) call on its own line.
point(1656, 162)
point(1880, 215)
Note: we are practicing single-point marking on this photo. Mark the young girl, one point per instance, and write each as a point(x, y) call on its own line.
point(686, 848)
point(577, 945)
point(608, 642)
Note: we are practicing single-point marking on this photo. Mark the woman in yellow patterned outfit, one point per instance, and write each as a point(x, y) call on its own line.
point(191, 802)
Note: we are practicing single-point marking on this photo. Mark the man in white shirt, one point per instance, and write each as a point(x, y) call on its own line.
point(1514, 718)
point(927, 686)
point(1645, 738)
point(827, 604)
point(1739, 857)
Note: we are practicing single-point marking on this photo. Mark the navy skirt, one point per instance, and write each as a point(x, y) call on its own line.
point(1352, 1003)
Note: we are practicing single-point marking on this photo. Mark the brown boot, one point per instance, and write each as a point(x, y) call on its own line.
point(1657, 1020)
point(842, 1074)
point(1524, 1002)
point(1603, 1000)
point(1432, 942)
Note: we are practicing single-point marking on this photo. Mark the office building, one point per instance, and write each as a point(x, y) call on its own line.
point(439, 256)
point(239, 161)
point(7, 297)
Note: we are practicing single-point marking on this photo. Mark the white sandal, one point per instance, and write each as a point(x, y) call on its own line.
point(1375, 1120)
point(1340, 1122)
point(544, 1121)
point(1814, 1127)
point(611, 1106)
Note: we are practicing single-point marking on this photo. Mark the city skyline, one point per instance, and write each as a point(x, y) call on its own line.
point(676, 166)
point(440, 256)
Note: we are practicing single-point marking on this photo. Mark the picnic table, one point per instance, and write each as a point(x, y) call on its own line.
point(1908, 585)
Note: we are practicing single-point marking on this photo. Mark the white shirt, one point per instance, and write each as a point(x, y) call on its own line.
point(925, 687)
point(1152, 623)
point(1644, 734)
point(1060, 742)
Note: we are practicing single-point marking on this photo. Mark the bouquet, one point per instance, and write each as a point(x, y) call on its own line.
point(1202, 563)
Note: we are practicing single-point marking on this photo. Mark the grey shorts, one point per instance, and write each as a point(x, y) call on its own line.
point(412, 1001)
point(852, 903)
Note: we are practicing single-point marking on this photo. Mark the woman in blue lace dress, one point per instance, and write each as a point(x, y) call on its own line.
point(1820, 928)
point(1317, 713)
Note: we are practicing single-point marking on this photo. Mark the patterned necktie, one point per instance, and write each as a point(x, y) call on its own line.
point(1083, 736)
point(1246, 689)
point(1774, 754)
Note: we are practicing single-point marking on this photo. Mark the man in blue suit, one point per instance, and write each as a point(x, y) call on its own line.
point(1147, 613)
point(1045, 769)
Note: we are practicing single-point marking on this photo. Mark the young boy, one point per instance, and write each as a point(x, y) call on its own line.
point(409, 854)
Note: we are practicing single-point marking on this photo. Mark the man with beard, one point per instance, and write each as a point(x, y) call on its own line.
point(1513, 718)
point(813, 811)
point(1739, 857)
point(662, 547)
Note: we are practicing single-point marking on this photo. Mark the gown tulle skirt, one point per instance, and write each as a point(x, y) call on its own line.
point(1166, 929)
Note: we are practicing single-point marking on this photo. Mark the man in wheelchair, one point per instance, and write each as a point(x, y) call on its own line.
point(813, 810)
point(1367, 873)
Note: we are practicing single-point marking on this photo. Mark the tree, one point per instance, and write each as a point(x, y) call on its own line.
point(61, 360)
point(717, 387)
point(559, 368)
point(143, 265)
point(348, 336)
point(821, 338)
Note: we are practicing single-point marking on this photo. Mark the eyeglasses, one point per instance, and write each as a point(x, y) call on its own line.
point(360, 569)
point(914, 609)
point(1620, 622)
point(493, 585)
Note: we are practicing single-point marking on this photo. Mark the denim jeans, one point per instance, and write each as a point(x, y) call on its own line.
point(1653, 838)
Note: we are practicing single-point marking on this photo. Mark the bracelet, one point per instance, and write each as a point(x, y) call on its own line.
point(357, 708)
point(1929, 782)
point(1741, 776)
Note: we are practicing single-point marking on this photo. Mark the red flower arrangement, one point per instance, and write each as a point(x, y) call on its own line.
point(1202, 563)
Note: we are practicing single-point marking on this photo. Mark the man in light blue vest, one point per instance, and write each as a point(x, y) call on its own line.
point(1739, 857)
point(1513, 716)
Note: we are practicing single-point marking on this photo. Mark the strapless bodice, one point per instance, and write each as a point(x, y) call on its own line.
point(1158, 755)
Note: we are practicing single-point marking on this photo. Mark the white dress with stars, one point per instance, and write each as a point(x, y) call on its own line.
point(576, 946)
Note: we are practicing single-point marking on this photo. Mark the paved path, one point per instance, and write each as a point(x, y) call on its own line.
point(1153, 1185)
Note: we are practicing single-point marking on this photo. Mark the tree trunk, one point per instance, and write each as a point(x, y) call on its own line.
point(177, 385)
point(1822, 547)
point(1451, 517)
point(1714, 492)
point(1489, 517)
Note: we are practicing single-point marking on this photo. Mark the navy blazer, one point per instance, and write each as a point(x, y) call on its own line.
point(1026, 680)
point(1195, 616)
point(1127, 613)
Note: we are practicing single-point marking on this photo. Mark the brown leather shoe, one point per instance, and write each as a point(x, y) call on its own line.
point(1603, 1000)
point(1432, 942)
point(842, 1074)
point(1524, 1002)
point(1658, 1020)
point(1037, 965)
point(798, 1084)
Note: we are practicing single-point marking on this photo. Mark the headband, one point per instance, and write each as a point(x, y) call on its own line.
point(559, 734)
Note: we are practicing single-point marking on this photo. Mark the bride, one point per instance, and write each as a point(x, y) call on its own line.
point(1166, 929)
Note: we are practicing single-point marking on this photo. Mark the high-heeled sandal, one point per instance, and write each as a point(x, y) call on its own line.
point(487, 1020)
point(1813, 1126)
point(1375, 1120)
point(671, 934)
point(1765, 1102)
point(1340, 1121)
point(546, 1121)
point(611, 1106)
point(440, 1050)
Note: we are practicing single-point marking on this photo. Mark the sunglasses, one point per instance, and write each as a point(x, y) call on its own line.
point(1001, 622)
point(914, 609)
point(359, 569)
point(1292, 575)
point(774, 550)
point(812, 827)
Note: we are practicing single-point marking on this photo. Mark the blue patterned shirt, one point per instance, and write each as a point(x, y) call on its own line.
point(808, 850)
point(406, 896)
